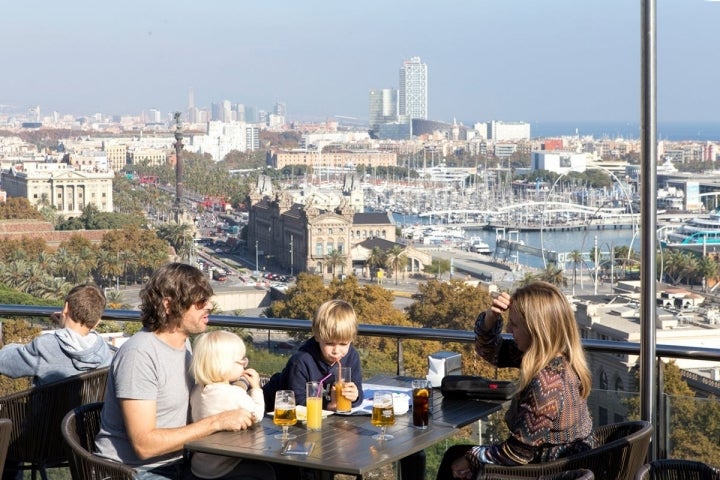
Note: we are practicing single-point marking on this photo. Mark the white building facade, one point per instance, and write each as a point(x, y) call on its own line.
point(558, 161)
point(413, 98)
point(61, 186)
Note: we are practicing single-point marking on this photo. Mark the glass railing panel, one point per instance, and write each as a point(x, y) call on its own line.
point(613, 406)
point(694, 428)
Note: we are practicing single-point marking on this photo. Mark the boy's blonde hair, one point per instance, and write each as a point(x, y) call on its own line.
point(335, 321)
point(214, 354)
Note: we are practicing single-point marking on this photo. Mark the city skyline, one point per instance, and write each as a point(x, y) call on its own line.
point(510, 60)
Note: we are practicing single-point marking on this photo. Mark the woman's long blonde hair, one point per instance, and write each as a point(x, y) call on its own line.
point(550, 321)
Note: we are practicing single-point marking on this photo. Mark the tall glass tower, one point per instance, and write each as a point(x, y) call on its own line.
point(412, 101)
point(383, 106)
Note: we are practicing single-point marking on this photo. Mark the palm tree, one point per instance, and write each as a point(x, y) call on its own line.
point(396, 259)
point(109, 266)
point(576, 257)
point(527, 279)
point(336, 258)
point(553, 274)
point(179, 236)
point(708, 269)
point(679, 264)
point(13, 274)
point(376, 260)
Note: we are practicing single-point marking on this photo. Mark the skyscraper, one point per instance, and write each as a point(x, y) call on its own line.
point(413, 99)
point(383, 106)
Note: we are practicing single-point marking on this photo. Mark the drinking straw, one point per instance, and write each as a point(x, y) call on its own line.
point(323, 379)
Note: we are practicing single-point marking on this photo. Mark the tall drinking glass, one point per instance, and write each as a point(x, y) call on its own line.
point(383, 414)
point(421, 403)
point(285, 413)
point(313, 402)
point(343, 405)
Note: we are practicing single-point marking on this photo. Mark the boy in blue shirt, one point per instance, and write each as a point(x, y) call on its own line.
point(334, 327)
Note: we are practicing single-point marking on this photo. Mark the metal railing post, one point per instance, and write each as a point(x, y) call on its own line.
point(648, 212)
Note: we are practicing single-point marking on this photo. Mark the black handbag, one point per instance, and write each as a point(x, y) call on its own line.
point(470, 386)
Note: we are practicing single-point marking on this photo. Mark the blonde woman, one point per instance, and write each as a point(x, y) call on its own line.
point(548, 417)
point(219, 361)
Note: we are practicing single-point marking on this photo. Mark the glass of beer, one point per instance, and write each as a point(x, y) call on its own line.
point(343, 405)
point(285, 413)
point(313, 402)
point(421, 403)
point(382, 414)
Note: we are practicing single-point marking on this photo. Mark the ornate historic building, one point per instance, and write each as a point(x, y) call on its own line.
point(311, 237)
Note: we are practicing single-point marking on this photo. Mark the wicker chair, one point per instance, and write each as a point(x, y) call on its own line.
point(79, 428)
point(580, 474)
point(670, 469)
point(621, 451)
point(5, 431)
point(36, 443)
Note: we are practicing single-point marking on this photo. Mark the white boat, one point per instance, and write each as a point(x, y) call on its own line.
point(435, 234)
point(477, 245)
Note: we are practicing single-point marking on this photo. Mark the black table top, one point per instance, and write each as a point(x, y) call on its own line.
point(345, 443)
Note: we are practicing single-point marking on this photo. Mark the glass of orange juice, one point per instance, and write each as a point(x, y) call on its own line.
point(343, 404)
point(313, 402)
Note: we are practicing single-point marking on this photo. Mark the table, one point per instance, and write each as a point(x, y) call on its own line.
point(345, 444)
point(446, 411)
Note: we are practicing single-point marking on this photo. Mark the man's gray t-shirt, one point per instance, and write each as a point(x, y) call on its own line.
point(145, 368)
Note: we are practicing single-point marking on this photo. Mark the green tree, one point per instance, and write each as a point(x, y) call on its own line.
point(455, 305)
point(694, 422)
point(576, 257)
point(373, 305)
point(679, 264)
point(708, 270)
point(553, 274)
point(18, 208)
point(396, 259)
point(438, 267)
point(336, 259)
point(179, 236)
point(376, 260)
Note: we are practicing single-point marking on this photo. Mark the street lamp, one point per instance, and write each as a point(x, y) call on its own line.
point(178, 167)
point(257, 265)
point(291, 255)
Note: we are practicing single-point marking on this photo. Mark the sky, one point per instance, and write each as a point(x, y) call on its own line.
point(508, 60)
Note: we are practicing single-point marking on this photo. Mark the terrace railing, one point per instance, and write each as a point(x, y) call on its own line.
point(661, 435)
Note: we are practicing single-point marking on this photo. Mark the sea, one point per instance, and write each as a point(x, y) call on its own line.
point(666, 130)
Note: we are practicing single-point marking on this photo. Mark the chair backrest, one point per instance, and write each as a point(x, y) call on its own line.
point(79, 428)
point(672, 469)
point(269, 388)
point(621, 450)
point(580, 474)
point(5, 431)
point(36, 414)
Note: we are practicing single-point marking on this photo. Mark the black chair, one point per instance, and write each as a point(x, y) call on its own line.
point(580, 474)
point(671, 469)
point(36, 443)
point(79, 428)
point(621, 450)
point(5, 431)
